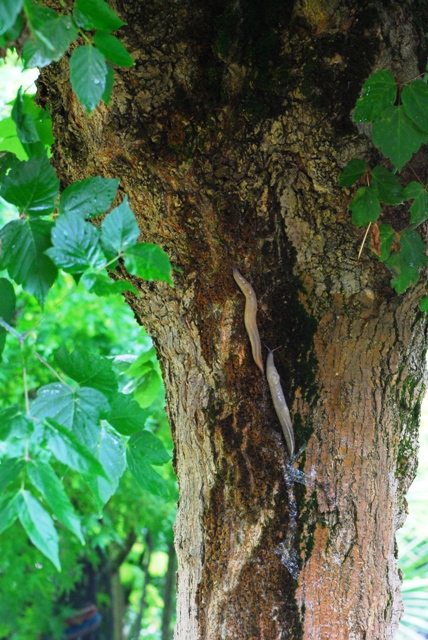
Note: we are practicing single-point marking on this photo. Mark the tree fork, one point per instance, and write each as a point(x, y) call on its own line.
point(228, 135)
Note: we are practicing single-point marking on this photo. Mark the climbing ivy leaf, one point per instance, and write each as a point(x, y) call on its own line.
point(32, 186)
point(365, 207)
point(76, 244)
point(101, 285)
point(405, 264)
point(397, 136)
point(419, 209)
point(7, 308)
point(382, 238)
point(415, 102)
point(423, 304)
point(88, 73)
point(379, 92)
point(119, 230)
point(52, 35)
point(88, 198)
point(352, 172)
point(9, 10)
point(24, 243)
point(148, 261)
point(112, 49)
point(96, 14)
point(387, 186)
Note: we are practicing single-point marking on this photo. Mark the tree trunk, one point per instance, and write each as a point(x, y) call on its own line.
point(228, 135)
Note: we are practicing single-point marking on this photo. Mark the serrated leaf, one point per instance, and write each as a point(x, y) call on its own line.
point(387, 186)
point(88, 73)
point(14, 425)
point(10, 471)
point(7, 308)
point(23, 246)
point(382, 238)
point(76, 244)
point(126, 415)
point(52, 35)
point(352, 172)
point(109, 85)
point(32, 186)
point(25, 125)
point(144, 450)
point(96, 14)
point(146, 391)
point(10, 506)
point(397, 136)
point(148, 261)
point(89, 370)
point(419, 209)
point(136, 368)
point(365, 207)
point(102, 285)
point(379, 92)
point(45, 480)
point(415, 101)
point(68, 449)
point(9, 11)
point(111, 454)
point(112, 49)
point(78, 410)
point(119, 230)
point(39, 527)
point(88, 198)
point(405, 264)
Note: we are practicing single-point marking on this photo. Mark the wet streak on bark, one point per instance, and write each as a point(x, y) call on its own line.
point(230, 158)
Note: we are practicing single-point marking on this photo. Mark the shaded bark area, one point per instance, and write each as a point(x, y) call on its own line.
point(228, 136)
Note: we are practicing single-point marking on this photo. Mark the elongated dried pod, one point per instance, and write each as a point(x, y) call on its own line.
point(250, 317)
point(279, 403)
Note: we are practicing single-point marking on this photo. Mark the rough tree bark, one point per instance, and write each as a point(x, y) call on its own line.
point(228, 135)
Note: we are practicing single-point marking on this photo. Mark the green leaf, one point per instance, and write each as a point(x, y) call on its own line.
point(102, 285)
point(23, 246)
point(76, 244)
point(415, 101)
point(45, 480)
point(33, 125)
point(14, 424)
point(16, 29)
point(111, 454)
point(365, 207)
point(10, 471)
point(96, 14)
point(9, 10)
point(119, 230)
point(109, 85)
point(379, 93)
point(423, 304)
point(352, 172)
point(25, 125)
point(88, 198)
point(52, 35)
point(32, 186)
point(88, 369)
point(88, 73)
point(7, 161)
point(7, 308)
point(39, 527)
point(405, 264)
point(112, 48)
point(126, 415)
point(148, 261)
point(397, 136)
point(146, 391)
point(68, 449)
point(9, 510)
point(419, 209)
point(78, 410)
point(144, 450)
point(387, 186)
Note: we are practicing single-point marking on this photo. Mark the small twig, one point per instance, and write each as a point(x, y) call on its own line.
point(43, 361)
point(363, 242)
point(20, 336)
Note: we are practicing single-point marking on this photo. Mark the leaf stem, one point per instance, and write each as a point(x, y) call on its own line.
point(43, 361)
point(20, 336)
point(364, 241)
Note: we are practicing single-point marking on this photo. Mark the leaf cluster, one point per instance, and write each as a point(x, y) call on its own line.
point(399, 117)
point(51, 35)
